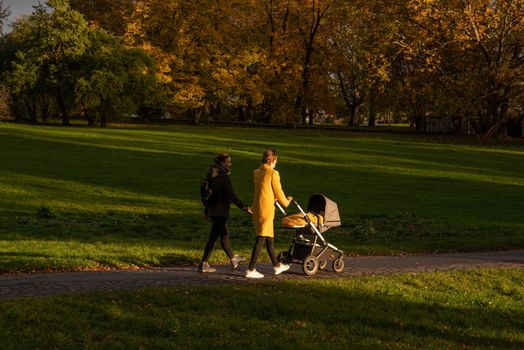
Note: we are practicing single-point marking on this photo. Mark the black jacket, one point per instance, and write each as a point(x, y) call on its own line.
point(221, 184)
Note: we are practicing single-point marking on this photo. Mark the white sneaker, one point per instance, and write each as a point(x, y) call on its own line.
point(253, 274)
point(281, 268)
point(237, 259)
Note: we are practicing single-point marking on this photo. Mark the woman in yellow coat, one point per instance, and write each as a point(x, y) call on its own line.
point(267, 186)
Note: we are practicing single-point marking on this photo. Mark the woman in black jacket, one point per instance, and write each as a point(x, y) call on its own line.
point(220, 182)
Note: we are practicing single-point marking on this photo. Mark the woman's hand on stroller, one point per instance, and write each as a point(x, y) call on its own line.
point(290, 198)
point(248, 210)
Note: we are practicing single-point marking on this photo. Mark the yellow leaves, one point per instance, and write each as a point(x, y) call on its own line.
point(243, 51)
point(164, 61)
point(226, 76)
point(188, 96)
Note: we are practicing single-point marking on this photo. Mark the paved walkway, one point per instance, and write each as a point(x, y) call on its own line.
point(43, 284)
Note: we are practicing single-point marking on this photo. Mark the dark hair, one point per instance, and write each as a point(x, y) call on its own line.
point(221, 157)
point(269, 156)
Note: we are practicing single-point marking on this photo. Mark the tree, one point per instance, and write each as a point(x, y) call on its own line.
point(265, 70)
point(4, 95)
point(5, 102)
point(55, 59)
point(278, 60)
point(272, 38)
point(47, 47)
point(186, 37)
point(116, 81)
point(361, 52)
point(20, 71)
point(4, 13)
point(474, 51)
point(308, 18)
point(107, 14)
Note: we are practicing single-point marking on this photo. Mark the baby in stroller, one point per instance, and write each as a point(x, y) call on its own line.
point(309, 246)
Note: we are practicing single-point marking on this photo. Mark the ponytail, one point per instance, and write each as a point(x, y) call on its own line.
point(269, 156)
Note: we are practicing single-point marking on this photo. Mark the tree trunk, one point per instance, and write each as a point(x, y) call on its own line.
point(352, 114)
point(45, 116)
point(457, 125)
point(103, 120)
point(242, 113)
point(63, 110)
point(412, 122)
point(198, 114)
point(267, 113)
point(476, 124)
point(44, 107)
point(91, 121)
point(309, 40)
point(372, 117)
point(31, 110)
point(490, 121)
point(303, 114)
point(216, 111)
point(419, 122)
point(298, 107)
point(194, 115)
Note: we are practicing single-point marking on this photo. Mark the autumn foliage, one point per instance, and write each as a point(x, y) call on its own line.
point(311, 61)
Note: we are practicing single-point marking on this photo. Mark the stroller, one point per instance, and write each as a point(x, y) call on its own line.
point(309, 247)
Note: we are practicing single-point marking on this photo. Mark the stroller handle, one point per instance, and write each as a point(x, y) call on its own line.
point(279, 206)
point(300, 208)
point(293, 200)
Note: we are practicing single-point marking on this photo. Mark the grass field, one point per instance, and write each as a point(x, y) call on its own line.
point(75, 198)
point(479, 309)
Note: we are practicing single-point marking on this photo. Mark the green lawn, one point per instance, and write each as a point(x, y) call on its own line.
point(479, 309)
point(126, 196)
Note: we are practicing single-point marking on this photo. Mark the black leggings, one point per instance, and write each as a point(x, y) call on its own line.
point(258, 247)
point(218, 229)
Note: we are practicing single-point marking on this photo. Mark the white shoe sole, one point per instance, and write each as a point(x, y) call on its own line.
point(279, 272)
point(254, 276)
point(237, 265)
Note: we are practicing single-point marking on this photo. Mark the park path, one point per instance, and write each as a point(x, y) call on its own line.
point(14, 286)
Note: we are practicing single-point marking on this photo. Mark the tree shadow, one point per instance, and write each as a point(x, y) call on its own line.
point(176, 259)
point(265, 316)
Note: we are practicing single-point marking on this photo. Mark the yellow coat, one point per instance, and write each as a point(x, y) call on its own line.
point(267, 186)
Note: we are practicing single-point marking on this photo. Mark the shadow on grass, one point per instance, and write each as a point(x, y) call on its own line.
point(264, 316)
point(178, 162)
point(10, 256)
point(159, 172)
point(176, 259)
point(149, 172)
point(77, 240)
point(101, 227)
point(70, 241)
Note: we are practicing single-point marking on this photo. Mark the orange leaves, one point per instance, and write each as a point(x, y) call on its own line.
point(188, 95)
point(281, 51)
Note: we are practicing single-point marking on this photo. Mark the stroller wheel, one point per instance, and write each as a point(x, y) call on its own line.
point(323, 264)
point(338, 264)
point(310, 265)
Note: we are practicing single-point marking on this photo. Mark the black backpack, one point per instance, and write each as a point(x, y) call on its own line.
point(208, 194)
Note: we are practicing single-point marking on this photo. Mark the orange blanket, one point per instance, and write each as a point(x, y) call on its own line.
point(298, 220)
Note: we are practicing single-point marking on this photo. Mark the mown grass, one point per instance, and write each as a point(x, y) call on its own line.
point(127, 196)
point(479, 309)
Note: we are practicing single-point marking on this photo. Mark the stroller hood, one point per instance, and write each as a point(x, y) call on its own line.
point(318, 203)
